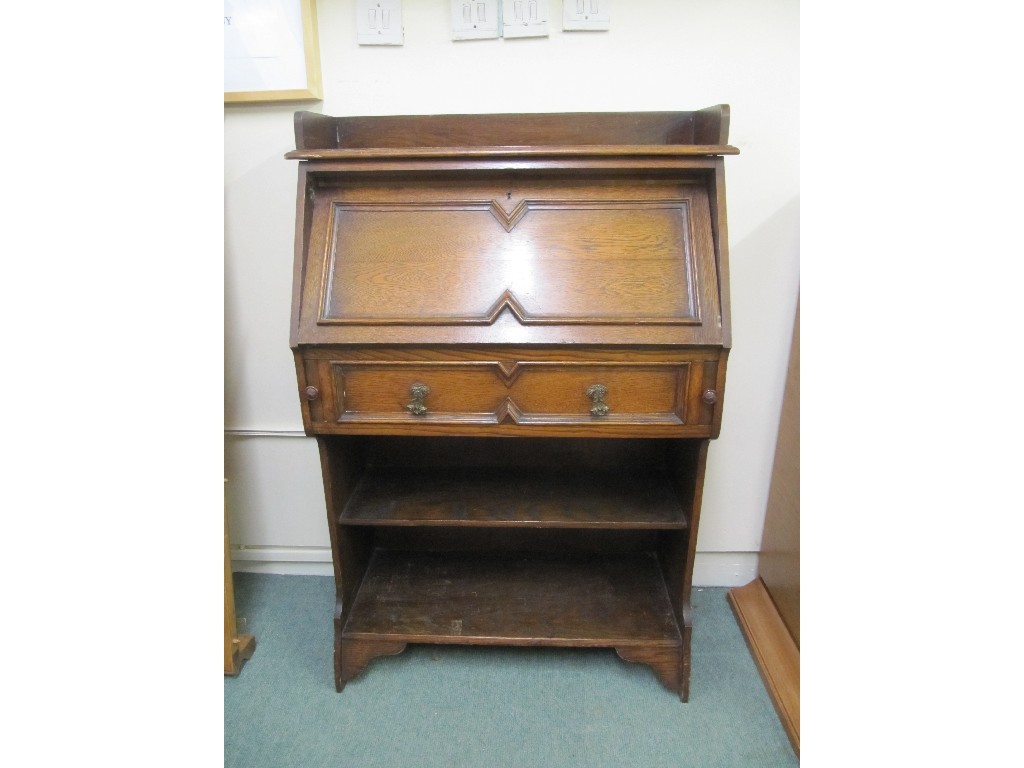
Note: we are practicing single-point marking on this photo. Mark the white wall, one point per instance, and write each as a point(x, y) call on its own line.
point(658, 55)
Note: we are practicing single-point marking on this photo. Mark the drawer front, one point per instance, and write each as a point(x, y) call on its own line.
point(409, 395)
point(512, 391)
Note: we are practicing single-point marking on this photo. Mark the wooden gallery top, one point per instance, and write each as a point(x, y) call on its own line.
point(561, 279)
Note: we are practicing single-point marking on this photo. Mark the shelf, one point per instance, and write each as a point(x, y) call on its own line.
point(389, 153)
point(553, 498)
point(522, 599)
point(491, 135)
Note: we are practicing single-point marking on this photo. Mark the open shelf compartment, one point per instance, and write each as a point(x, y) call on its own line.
point(578, 599)
point(481, 496)
point(517, 542)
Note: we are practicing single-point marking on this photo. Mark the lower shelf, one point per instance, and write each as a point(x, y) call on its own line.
point(576, 599)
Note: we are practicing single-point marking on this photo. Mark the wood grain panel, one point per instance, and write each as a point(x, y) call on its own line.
point(779, 563)
point(621, 291)
point(491, 392)
point(502, 259)
point(632, 390)
point(562, 261)
point(314, 131)
point(654, 392)
point(774, 651)
point(383, 390)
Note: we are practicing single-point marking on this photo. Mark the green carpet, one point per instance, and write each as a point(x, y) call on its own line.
point(455, 706)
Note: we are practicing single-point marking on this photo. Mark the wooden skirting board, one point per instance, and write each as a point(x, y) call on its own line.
point(774, 650)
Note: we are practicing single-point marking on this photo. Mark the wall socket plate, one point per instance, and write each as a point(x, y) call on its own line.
point(476, 19)
point(379, 22)
point(525, 18)
point(586, 14)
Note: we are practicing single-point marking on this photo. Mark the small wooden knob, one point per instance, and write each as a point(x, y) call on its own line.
point(710, 396)
point(312, 393)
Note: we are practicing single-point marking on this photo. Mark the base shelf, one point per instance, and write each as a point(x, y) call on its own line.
point(577, 599)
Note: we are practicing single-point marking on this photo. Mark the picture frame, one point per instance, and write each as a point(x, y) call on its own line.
point(271, 51)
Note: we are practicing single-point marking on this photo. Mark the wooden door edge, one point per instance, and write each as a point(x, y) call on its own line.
point(774, 650)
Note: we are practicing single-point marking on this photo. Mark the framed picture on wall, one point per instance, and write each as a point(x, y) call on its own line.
point(271, 52)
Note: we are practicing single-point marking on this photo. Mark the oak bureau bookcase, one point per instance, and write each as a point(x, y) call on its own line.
point(510, 334)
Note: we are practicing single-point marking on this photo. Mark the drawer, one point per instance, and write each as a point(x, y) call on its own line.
point(489, 393)
point(464, 396)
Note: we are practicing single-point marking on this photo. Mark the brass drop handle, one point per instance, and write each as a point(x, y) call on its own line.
point(312, 393)
point(596, 393)
point(418, 392)
point(710, 396)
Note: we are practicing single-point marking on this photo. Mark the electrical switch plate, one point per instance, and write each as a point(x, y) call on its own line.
point(379, 22)
point(525, 18)
point(476, 19)
point(586, 14)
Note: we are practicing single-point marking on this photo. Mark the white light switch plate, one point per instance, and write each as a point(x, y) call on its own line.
point(475, 19)
point(586, 14)
point(379, 22)
point(525, 18)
